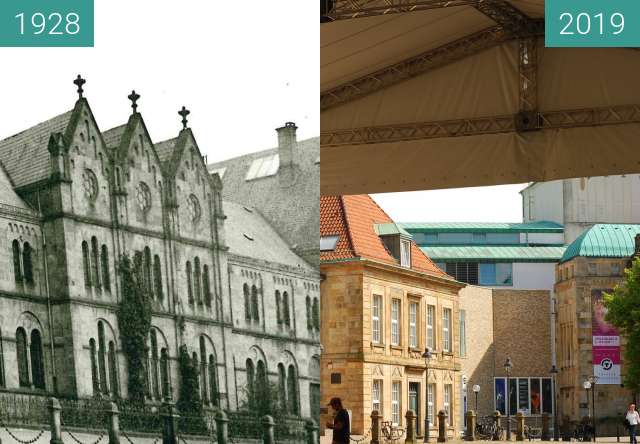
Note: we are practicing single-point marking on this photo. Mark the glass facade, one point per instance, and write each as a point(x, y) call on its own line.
point(531, 396)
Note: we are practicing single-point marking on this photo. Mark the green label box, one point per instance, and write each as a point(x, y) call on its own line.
point(592, 23)
point(41, 23)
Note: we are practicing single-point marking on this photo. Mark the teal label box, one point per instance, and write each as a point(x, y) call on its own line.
point(42, 23)
point(592, 23)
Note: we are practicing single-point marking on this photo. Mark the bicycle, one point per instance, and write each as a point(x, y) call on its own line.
point(583, 432)
point(487, 429)
point(391, 433)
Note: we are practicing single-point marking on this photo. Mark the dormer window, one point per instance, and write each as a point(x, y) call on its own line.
point(405, 253)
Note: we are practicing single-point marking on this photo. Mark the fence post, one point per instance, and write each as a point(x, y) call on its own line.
point(170, 423)
point(546, 433)
point(375, 427)
point(519, 426)
point(411, 427)
point(114, 423)
point(54, 421)
point(470, 417)
point(442, 426)
point(222, 427)
point(312, 432)
point(496, 421)
point(267, 430)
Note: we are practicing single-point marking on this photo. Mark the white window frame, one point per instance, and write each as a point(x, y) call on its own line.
point(446, 329)
point(447, 398)
point(413, 324)
point(396, 390)
point(396, 313)
point(405, 253)
point(376, 395)
point(431, 318)
point(431, 398)
point(376, 319)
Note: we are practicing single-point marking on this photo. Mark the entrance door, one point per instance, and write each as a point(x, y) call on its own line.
point(414, 402)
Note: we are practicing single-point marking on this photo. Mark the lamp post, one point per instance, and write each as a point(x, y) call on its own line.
point(476, 390)
point(587, 386)
point(556, 432)
point(426, 355)
point(593, 380)
point(508, 365)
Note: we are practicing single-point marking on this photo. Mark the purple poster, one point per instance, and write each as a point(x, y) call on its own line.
point(606, 343)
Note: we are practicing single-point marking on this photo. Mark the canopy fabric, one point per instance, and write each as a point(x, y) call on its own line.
point(454, 125)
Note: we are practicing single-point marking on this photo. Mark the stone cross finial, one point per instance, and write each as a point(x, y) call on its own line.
point(134, 98)
point(79, 81)
point(184, 112)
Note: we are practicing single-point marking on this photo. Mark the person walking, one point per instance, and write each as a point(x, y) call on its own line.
point(341, 426)
point(633, 419)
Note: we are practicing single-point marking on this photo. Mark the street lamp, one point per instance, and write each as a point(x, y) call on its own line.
point(476, 390)
point(593, 380)
point(426, 355)
point(508, 365)
point(556, 432)
point(587, 386)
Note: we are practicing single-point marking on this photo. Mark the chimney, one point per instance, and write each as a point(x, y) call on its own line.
point(287, 144)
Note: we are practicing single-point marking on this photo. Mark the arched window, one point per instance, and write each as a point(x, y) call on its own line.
point(255, 314)
point(17, 269)
point(85, 264)
point(316, 313)
point(247, 302)
point(261, 381)
point(292, 389)
point(196, 365)
point(157, 277)
point(94, 366)
point(204, 395)
point(146, 271)
point(155, 386)
point(189, 283)
point(278, 307)
point(206, 285)
point(198, 280)
point(37, 363)
point(251, 377)
point(113, 369)
point(27, 263)
point(285, 309)
point(213, 381)
point(104, 262)
point(282, 387)
point(95, 277)
point(164, 372)
point(22, 357)
point(102, 356)
point(309, 314)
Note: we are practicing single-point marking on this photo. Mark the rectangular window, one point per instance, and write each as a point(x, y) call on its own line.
point(447, 401)
point(395, 402)
point(479, 238)
point(376, 396)
point(500, 394)
point(496, 273)
point(431, 314)
point(532, 396)
point(446, 329)
point(375, 318)
point(395, 322)
point(513, 396)
point(413, 327)
point(463, 333)
point(431, 396)
point(535, 396)
point(405, 253)
point(523, 395)
point(615, 269)
point(466, 272)
point(328, 243)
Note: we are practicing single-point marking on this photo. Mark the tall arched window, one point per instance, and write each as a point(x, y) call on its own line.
point(85, 264)
point(285, 309)
point(164, 372)
point(251, 378)
point(204, 394)
point(278, 307)
point(206, 285)
point(113, 369)
point(155, 386)
point(198, 280)
point(157, 277)
point(255, 313)
point(282, 387)
point(17, 269)
point(189, 283)
point(309, 314)
point(316, 313)
point(22, 357)
point(261, 380)
point(95, 273)
point(27, 263)
point(102, 356)
point(94, 366)
point(37, 363)
point(292, 389)
point(196, 365)
point(104, 263)
point(213, 381)
point(247, 302)
point(146, 271)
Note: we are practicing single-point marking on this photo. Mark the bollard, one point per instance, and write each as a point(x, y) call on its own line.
point(546, 431)
point(55, 422)
point(442, 426)
point(222, 427)
point(566, 429)
point(519, 426)
point(470, 423)
point(375, 427)
point(170, 423)
point(267, 430)
point(114, 423)
point(312, 432)
point(411, 427)
point(496, 421)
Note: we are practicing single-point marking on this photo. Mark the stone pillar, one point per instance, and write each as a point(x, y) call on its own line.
point(410, 416)
point(267, 430)
point(442, 426)
point(312, 432)
point(114, 423)
point(470, 422)
point(54, 421)
point(519, 426)
point(170, 423)
point(375, 427)
point(546, 432)
point(222, 427)
point(496, 421)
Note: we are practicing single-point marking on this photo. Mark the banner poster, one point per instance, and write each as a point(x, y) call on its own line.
point(606, 343)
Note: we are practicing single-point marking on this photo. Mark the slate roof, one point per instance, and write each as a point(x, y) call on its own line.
point(113, 137)
point(248, 234)
point(495, 253)
point(25, 156)
point(604, 240)
point(483, 227)
point(354, 220)
point(165, 149)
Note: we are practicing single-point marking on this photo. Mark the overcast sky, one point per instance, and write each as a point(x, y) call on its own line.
point(242, 68)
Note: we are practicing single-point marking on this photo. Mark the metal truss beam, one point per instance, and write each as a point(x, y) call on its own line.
point(482, 125)
point(510, 17)
point(349, 9)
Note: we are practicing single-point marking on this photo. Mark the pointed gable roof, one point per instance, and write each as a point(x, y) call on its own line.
point(354, 219)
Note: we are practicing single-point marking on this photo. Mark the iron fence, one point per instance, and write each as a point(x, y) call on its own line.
point(22, 409)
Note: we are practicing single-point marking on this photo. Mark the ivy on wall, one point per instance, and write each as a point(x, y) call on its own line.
point(189, 403)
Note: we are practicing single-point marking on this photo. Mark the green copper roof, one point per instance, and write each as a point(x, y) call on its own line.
point(389, 228)
point(604, 240)
point(483, 227)
point(493, 253)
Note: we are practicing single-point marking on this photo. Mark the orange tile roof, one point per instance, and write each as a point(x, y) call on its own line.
point(353, 219)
